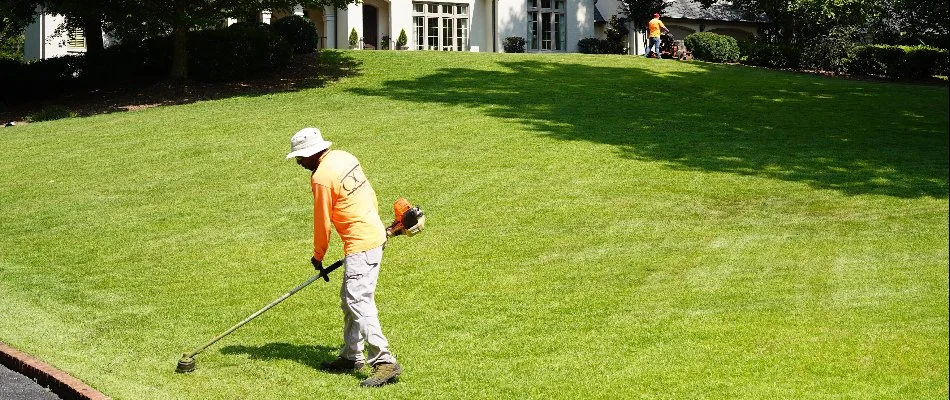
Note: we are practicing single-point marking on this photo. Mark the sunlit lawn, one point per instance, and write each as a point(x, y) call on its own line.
point(598, 227)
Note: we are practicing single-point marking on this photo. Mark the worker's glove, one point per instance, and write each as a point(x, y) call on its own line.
point(317, 264)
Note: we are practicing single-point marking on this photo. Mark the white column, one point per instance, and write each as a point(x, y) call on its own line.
point(354, 19)
point(329, 27)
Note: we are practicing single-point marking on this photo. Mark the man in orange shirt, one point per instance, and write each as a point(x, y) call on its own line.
point(653, 31)
point(344, 200)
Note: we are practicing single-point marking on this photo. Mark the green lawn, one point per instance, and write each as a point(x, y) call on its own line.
point(598, 227)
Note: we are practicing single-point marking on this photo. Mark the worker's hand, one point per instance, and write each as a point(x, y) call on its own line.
point(317, 264)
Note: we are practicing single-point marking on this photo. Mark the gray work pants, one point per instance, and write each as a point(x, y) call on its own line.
point(360, 317)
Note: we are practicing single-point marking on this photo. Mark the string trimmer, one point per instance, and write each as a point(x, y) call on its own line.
point(409, 220)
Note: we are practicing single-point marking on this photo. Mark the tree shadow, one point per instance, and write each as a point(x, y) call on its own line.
point(309, 355)
point(856, 138)
point(307, 71)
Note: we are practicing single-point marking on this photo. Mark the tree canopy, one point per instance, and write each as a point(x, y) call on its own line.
point(639, 12)
point(898, 21)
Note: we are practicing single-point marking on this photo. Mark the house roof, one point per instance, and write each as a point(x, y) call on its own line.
point(598, 17)
point(720, 11)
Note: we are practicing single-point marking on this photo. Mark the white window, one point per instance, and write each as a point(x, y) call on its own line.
point(75, 38)
point(440, 26)
point(547, 30)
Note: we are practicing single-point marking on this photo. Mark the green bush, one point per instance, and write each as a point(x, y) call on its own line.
point(769, 55)
point(116, 65)
point(709, 46)
point(880, 60)
point(51, 113)
point(592, 46)
point(402, 39)
point(514, 44)
point(130, 62)
point(236, 52)
point(616, 33)
point(828, 52)
point(299, 32)
point(354, 37)
point(50, 77)
point(923, 61)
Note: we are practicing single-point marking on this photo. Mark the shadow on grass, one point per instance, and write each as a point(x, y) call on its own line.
point(309, 355)
point(307, 71)
point(854, 137)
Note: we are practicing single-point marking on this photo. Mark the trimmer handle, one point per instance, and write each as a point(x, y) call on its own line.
point(325, 271)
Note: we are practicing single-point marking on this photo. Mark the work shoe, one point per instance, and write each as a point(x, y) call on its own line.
point(341, 365)
point(382, 374)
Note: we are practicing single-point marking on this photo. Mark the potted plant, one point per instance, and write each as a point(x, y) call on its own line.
point(354, 38)
point(401, 42)
point(384, 42)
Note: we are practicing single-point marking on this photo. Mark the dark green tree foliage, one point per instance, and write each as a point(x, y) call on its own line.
point(883, 21)
point(616, 32)
point(639, 12)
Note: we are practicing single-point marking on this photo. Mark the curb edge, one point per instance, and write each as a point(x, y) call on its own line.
point(60, 383)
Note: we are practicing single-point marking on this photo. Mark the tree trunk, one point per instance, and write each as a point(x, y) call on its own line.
point(92, 29)
point(180, 43)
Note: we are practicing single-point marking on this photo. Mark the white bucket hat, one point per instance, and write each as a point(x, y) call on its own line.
point(307, 142)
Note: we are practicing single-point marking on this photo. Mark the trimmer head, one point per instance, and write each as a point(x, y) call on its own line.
point(185, 364)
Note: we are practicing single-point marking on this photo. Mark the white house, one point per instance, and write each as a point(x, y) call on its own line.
point(452, 25)
point(466, 25)
point(45, 38)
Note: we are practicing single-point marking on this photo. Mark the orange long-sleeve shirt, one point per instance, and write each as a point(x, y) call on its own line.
point(344, 198)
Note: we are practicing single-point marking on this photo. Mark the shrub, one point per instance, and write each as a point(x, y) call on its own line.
point(709, 46)
point(51, 113)
point(299, 33)
point(43, 78)
point(923, 61)
point(354, 37)
point(130, 62)
point(236, 52)
point(770, 55)
point(943, 62)
point(402, 39)
point(876, 60)
point(514, 44)
point(828, 52)
point(616, 33)
point(592, 46)
point(116, 65)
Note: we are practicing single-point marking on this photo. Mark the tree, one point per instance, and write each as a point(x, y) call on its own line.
point(639, 12)
point(14, 17)
point(135, 20)
point(798, 21)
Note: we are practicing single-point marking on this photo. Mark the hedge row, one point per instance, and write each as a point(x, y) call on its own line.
point(912, 62)
point(236, 52)
point(600, 46)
